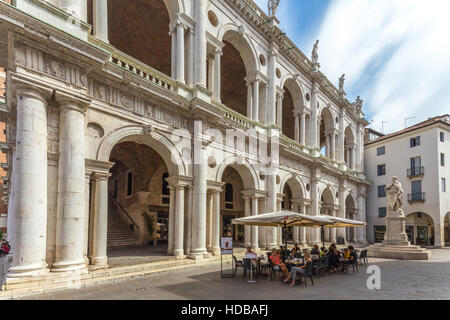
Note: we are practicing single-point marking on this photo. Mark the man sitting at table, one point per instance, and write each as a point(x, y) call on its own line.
point(296, 249)
point(295, 270)
point(285, 253)
point(315, 251)
point(250, 254)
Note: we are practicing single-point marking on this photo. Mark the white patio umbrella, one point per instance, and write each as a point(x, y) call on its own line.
point(294, 219)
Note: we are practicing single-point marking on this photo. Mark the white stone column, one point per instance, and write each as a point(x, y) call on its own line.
point(341, 232)
point(314, 130)
point(217, 75)
point(249, 100)
point(333, 146)
point(279, 230)
point(75, 7)
point(216, 224)
point(99, 259)
point(280, 111)
point(87, 215)
point(362, 234)
point(302, 230)
point(71, 207)
point(100, 11)
point(341, 144)
point(262, 231)
point(12, 193)
point(255, 245)
point(199, 202)
point(353, 152)
point(180, 52)
point(209, 214)
point(271, 207)
point(255, 111)
point(296, 230)
point(303, 129)
point(315, 211)
point(190, 59)
point(347, 151)
point(211, 73)
point(188, 222)
point(247, 229)
point(173, 61)
point(271, 93)
point(328, 149)
point(30, 177)
point(333, 231)
point(178, 245)
point(200, 42)
point(297, 125)
point(171, 220)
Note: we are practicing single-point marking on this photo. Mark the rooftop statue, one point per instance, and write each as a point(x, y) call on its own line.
point(358, 104)
point(272, 6)
point(341, 83)
point(315, 53)
point(394, 193)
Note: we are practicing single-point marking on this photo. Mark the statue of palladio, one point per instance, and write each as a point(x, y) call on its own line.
point(394, 193)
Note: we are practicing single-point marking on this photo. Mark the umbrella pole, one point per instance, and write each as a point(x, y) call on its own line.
point(322, 236)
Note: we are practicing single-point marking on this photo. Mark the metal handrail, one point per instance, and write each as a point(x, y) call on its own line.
point(415, 172)
point(117, 203)
point(416, 197)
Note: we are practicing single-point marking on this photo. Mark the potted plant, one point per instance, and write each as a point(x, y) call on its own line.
point(150, 224)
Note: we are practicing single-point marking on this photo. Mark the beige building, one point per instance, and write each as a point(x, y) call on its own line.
point(420, 157)
point(189, 112)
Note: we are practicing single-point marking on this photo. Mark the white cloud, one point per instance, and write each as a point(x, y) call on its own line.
point(411, 37)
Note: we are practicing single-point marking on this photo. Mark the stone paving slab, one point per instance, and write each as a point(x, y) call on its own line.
point(399, 280)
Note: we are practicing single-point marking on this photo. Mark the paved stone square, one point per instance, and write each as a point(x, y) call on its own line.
point(399, 280)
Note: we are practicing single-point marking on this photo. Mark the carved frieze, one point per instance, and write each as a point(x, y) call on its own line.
point(35, 60)
point(137, 105)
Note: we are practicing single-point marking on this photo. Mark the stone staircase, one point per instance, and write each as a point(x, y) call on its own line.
point(119, 230)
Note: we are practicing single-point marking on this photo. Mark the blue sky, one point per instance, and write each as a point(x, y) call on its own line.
point(395, 53)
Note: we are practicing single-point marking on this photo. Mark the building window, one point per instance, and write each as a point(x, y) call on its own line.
point(382, 191)
point(382, 212)
point(444, 186)
point(442, 137)
point(379, 233)
point(414, 142)
point(442, 159)
point(130, 184)
point(381, 170)
point(165, 191)
point(229, 197)
point(381, 151)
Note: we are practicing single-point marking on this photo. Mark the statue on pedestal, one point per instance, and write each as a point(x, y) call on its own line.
point(272, 6)
point(341, 84)
point(315, 53)
point(394, 193)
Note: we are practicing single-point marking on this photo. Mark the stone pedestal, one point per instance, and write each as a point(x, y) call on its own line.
point(396, 244)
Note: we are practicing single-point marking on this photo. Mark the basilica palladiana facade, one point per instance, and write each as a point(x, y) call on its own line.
point(192, 113)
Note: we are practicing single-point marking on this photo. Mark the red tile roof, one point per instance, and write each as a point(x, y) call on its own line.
point(445, 119)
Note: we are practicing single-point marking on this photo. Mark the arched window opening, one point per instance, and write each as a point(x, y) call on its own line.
point(288, 115)
point(233, 85)
point(229, 197)
point(140, 28)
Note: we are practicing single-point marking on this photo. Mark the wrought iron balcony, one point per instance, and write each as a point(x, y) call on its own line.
point(415, 172)
point(416, 197)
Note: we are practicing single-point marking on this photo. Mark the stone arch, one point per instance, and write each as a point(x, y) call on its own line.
point(246, 171)
point(295, 184)
point(420, 228)
point(241, 41)
point(327, 196)
point(447, 229)
point(161, 144)
point(292, 100)
point(174, 7)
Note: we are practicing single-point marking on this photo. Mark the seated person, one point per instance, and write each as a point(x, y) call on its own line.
point(315, 251)
point(295, 270)
point(4, 249)
point(333, 259)
point(276, 262)
point(296, 249)
point(285, 253)
point(344, 259)
point(250, 254)
point(323, 252)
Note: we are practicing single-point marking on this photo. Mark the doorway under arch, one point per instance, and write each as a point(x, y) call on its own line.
point(420, 229)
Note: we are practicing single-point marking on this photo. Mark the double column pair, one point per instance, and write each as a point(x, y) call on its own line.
point(300, 128)
point(331, 144)
point(214, 76)
point(213, 222)
point(251, 233)
point(176, 220)
point(299, 233)
point(30, 176)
